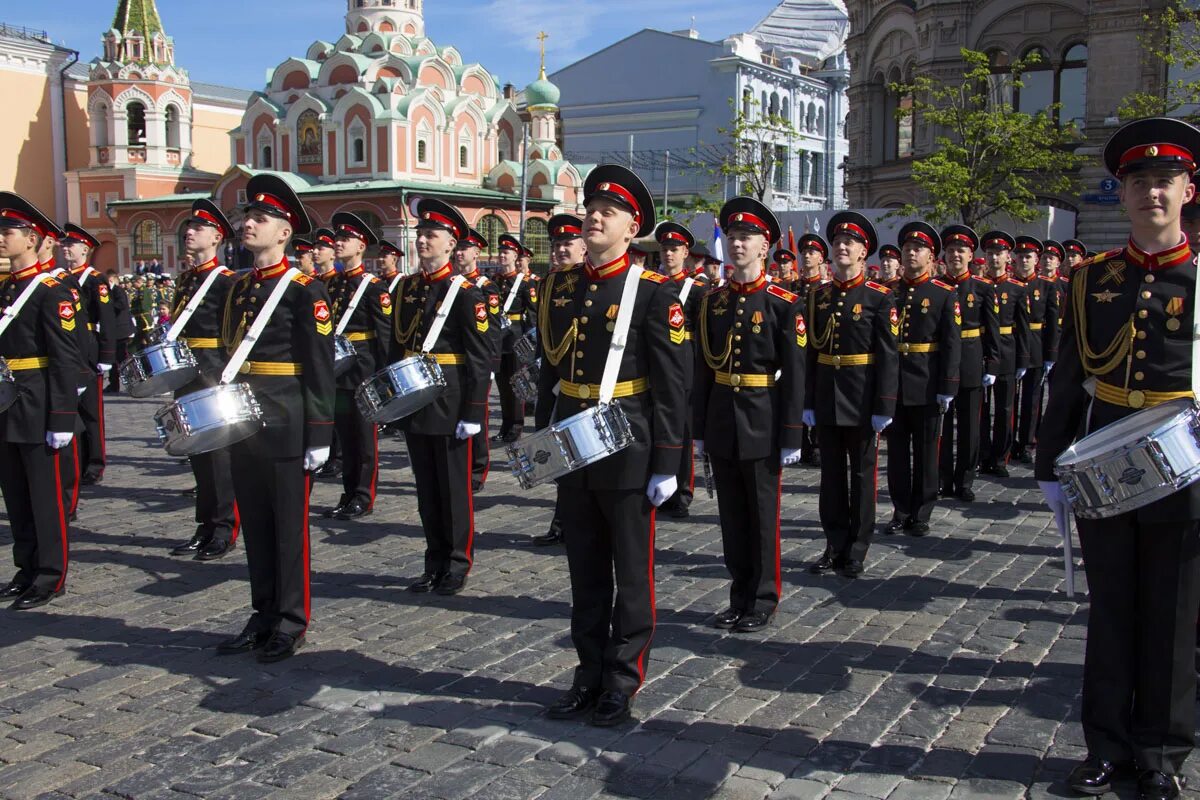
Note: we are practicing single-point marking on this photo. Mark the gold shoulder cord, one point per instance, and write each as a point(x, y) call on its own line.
point(554, 352)
point(403, 337)
point(714, 362)
point(230, 336)
point(818, 341)
point(1097, 363)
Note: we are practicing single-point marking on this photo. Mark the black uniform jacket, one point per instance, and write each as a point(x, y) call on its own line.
point(1041, 297)
point(42, 350)
point(122, 315)
point(1012, 320)
point(523, 311)
point(930, 340)
point(297, 407)
point(747, 333)
point(491, 295)
point(370, 327)
point(463, 349)
point(579, 304)
point(1141, 306)
point(980, 328)
point(691, 313)
point(94, 295)
point(852, 364)
point(202, 334)
point(86, 346)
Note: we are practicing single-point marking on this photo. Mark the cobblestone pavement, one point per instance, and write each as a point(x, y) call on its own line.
point(950, 669)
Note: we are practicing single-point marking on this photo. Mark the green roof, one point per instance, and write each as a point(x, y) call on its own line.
point(138, 15)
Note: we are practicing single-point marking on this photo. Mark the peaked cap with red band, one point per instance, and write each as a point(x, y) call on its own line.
point(889, 251)
point(746, 213)
point(784, 256)
point(852, 223)
point(922, 233)
point(509, 242)
point(960, 234)
point(1152, 142)
point(301, 246)
point(347, 224)
point(473, 239)
point(620, 185)
point(17, 212)
point(674, 233)
point(434, 213)
point(1028, 244)
point(323, 237)
point(1051, 246)
point(994, 239)
point(1074, 246)
point(273, 196)
point(73, 231)
point(386, 248)
point(565, 226)
point(206, 212)
point(814, 241)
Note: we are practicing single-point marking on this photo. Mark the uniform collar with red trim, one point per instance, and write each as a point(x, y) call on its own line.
point(76, 271)
point(850, 284)
point(679, 277)
point(328, 275)
point(609, 270)
point(959, 279)
point(473, 275)
point(206, 266)
point(439, 274)
point(265, 273)
point(926, 275)
point(1171, 257)
point(750, 287)
point(28, 272)
point(353, 272)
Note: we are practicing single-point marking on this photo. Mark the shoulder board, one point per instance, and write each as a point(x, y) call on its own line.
point(49, 281)
point(567, 267)
point(1100, 257)
point(782, 293)
point(647, 275)
point(879, 287)
point(227, 272)
point(982, 279)
point(375, 279)
point(303, 280)
point(946, 286)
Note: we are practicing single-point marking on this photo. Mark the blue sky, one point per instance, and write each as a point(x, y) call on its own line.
point(234, 43)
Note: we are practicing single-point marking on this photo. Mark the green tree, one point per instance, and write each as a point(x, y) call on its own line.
point(755, 147)
point(987, 159)
point(1172, 38)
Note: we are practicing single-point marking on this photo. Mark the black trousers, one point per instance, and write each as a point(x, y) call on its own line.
point(114, 376)
point(958, 459)
point(360, 450)
point(685, 476)
point(912, 465)
point(441, 466)
point(997, 430)
point(272, 497)
point(92, 453)
point(1029, 412)
point(481, 455)
point(1139, 679)
point(808, 444)
point(216, 506)
point(512, 410)
point(849, 478)
point(748, 496)
point(69, 472)
point(610, 532)
point(31, 482)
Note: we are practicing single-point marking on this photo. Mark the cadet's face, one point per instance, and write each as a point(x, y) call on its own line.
point(917, 257)
point(465, 258)
point(197, 237)
point(1154, 197)
point(889, 266)
point(1028, 262)
point(1050, 263)
point(46, 249)
point(997, 261)
point(390, 262)
point(848, 251)
point(323, 256)
point(746, 249)
point(261, 231)
point(1073, 258)
point(673, 255)
point(434, 246)
point(813, 259)
point(16, 242)
point(348, 246)
point(74, 252)
point(958, 258)
point(508, 260)
point(567, 252)
point(306, 263)
point(606, 224)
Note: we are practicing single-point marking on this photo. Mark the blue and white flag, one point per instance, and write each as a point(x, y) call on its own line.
point(718, 244)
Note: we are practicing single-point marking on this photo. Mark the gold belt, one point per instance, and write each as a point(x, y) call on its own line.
point(745, 379)
point(687, 336)
point(1006, 330)
point(1036, 326)
point(971, 333)
point(1134, 398)
point(589, 391)
point(445, 359)
point(917, 347)
point(361, 336)
point(35, 362)
point(515, 317)
point(271, 368)
point(855, 360)
point(200, 343)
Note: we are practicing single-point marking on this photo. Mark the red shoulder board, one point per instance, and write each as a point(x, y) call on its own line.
point(302, 279)
point(781, 293)
point(227, 272)
point(1105, 256)
point(879, 287)
point(945, 286)
point(375, 279)
point(982, 279)
point(647, 275)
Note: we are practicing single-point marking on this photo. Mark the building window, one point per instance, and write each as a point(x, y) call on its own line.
point(904, 128)
point(780, 168)
point(747, 102)
point(135, 115)
point(1037, 83)
point(423, 152)
point(93, 205)
point(1072, 86)
point(99, 126)
point(360, 151)
point(537, 239)
point(147, 240)
point(818, 182)
point(172, 124)
point(358, 144)
point(266, 158)
point(463, 162)
point(1000, 88)
point(491, 227)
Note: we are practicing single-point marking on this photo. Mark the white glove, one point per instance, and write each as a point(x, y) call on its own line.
point(944, 401)
point(80, 390)
point(103, 369)
point(660, 488)
point(1020, 373)
point(466, 430)
point(1055, 499)
point(58, 441)
point(315, 458)
point(878, 423)
point(988, 380)
point(809, 418)
point(698, 448)
point(789, 456)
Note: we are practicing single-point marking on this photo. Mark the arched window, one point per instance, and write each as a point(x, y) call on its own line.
point(810, 118)
point(135, 115)
point(1072, 86)
point(773, 108)
point(360, 151)
point(464, 161)
point(99, 126)
point(1037, 82)
point(763, 104)
point(821, 120)
point(147, 240)
point(786, 111)
point(877, 122)
point(491, 227)
point(891, 125)
point(422, 152)
point(172, 124)
point(358, 144)
point(537, 239)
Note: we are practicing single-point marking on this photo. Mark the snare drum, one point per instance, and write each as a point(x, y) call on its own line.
point(401, 389)
point(525, 382)
point(343, 355)
point(159, 369)
point(571, 444)
point(525, 348)
point(1133, 462)
point(209, 419)
point(8, 387)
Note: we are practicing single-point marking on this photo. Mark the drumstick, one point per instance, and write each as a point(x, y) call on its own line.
point(1062, 521)
point(708, 476)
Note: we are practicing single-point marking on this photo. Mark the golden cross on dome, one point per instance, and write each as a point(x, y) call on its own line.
point(542, 37)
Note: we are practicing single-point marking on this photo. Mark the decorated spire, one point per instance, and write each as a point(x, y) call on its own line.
point(542, 37)
point(138, 15)
point(137, 35)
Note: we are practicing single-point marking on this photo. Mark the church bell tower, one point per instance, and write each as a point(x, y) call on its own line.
point(385, 16)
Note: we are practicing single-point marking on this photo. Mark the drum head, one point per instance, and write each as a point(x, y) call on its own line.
point(163, 382)
point(1124, 431)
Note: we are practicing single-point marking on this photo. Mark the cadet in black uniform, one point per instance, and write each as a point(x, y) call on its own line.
point(439, 435)
point(369, 329)
point(1129, 327)
point(1074, 253)
point(303, 248)
point(930, 346)
point(1012, 355)
point(889, 266)
point(814, 256)
point(518, 303)
point(123, 329)
point(324, 253)
point(217, 521)
point(390, 270)
point(466, 262)
point(786, 260)
point(290, 370)
point(1041, 305)
point(42, 353)
point(850, 390)
point(745, 417)
point(959, 458)
point(608, 507)
point(674, 242)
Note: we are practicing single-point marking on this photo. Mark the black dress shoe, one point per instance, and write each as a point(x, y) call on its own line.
point(1160, 786)
point(1092, 776)
point(726, 619)
point(611, 709)
point(511, 436)
point(476, 485)
point(917, 528)
point(1020, 455)
point(331, 470)
point(576, 702)
point(987, 469)
point(215, 549)
point(552, 536)
point(279, 647)
point(14, 589)
point(896, 525)
point(34, 597)
point(1000, 471)
point(330, 513)
point(244, 642)
point(425, 583)
point(754, 621)
point(852, 568)
point(91, 478)
point(353, 510)
point(678, 511)
point(501, 436)
point(451, 584)
point(946, 491)
point(966, 495)
point(825, 563)
point(192, 546)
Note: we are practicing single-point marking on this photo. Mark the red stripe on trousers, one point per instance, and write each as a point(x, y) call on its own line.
point(308, 478)
point(375, 469)
point(470, 510)
point(62, 518)
point(778, 535)
point(75, 461)
point(641, 660)
point(237, 524)
point(100, 416)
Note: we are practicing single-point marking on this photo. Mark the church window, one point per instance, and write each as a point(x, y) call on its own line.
point(358, 144)
point(266, 158)
point(537, 239)
point(135, 115)
point(172, 125)
point(462, 157)
point(309, 138)
point(359, 156)
point(147, 239)
point(1072, 86)
point(1000, 90)
point(491, 227)
point(423, 153)
point(99, 126)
